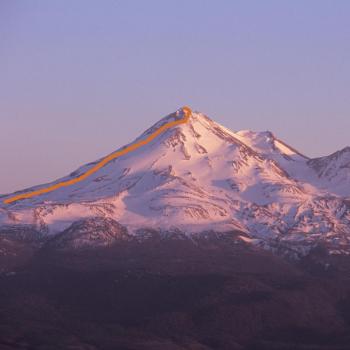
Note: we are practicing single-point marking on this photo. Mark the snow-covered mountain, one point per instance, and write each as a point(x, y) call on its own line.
point(200, 177)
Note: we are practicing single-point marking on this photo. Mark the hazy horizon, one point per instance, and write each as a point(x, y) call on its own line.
point(80, 79)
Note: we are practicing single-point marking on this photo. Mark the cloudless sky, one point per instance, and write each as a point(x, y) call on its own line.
point(78, 79)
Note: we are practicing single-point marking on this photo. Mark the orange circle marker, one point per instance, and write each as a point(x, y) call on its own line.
point(187, 113)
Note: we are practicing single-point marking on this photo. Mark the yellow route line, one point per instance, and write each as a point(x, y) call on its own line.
point(187, 113)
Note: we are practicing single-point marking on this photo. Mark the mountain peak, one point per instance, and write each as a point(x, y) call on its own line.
point(345, 149)
point(189, 173)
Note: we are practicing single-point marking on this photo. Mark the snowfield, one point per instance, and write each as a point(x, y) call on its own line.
point(200, 177)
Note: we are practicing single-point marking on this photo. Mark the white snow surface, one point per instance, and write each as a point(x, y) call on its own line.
point(200, 176)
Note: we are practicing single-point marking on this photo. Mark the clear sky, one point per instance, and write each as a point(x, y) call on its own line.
point(80, 78)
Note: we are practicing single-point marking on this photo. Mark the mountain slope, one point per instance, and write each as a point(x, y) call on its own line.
point(334, 171)
point(199, 177)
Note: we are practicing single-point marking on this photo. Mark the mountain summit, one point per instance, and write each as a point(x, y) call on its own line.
point(200, 177)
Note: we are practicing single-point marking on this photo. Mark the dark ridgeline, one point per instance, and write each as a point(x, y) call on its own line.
point(169, 293)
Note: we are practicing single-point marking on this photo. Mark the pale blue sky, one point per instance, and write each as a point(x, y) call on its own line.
point(80, 78)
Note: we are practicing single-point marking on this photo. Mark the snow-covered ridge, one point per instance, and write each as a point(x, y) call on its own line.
point(201, 176)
